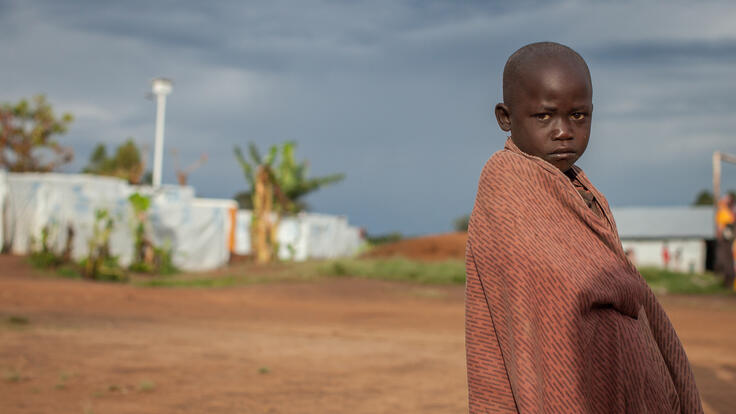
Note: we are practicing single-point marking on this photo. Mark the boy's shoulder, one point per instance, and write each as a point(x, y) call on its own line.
point(506, 162)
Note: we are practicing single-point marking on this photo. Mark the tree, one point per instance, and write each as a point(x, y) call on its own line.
point(127, 163)
point(289, 175)
point(461, 223)
point(705, 198)
point(27, 136)
point(275, 187)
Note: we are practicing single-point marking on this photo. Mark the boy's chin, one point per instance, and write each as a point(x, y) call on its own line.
point(562, 165)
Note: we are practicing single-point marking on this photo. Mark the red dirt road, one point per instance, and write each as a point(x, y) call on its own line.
point(330, 346)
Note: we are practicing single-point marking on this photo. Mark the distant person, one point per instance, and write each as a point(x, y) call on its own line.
point(666, 256)
point(677, 259)
point(557, 320)
point(724, 240)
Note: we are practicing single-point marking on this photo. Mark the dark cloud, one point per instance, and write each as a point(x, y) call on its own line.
point(667, 52)
point(397, 95)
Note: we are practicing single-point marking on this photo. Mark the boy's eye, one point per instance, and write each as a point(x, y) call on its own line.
point(542, 117)
point(577, 116)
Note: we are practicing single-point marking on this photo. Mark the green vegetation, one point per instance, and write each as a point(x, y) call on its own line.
point(461, 223)
point(146, 386)
point(27, 136)
point(63, 378)
point(377, 239)
point(205, 282)
point(45, 257)
point(251, 275)
point(18, 320)
point(69, 272)
point(43, 260)
point(127, 163)
point(445, 272)
point(12, 376)
point(705, 197)
point(278, 185)
point(264, 370)
point(99, 263)
point(289, 175)
point(148, 258)
point(665, 281)
point(396, 269)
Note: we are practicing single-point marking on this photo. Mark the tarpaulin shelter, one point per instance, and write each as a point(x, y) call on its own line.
point(304, 236)
point(200, 232)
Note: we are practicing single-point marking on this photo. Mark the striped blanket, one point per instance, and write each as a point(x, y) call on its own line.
point(558, 320)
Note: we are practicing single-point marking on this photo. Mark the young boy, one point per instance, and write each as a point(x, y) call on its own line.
point(557, 318)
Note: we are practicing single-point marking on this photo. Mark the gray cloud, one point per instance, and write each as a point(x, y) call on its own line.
point(395, 94)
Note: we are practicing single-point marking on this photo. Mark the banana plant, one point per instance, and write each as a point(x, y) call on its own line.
point(275, 187)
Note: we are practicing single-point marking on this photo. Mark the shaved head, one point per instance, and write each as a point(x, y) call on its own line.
point(534, 57)
point(547, 103)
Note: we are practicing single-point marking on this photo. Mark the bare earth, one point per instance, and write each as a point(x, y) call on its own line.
point(331, 346)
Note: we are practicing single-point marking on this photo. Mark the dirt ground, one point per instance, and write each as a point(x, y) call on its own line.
point(328, 346)
point(435, 247)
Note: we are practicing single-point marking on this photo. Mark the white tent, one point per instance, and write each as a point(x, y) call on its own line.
point(304, 236)
point(200, 232)
point(195, 229)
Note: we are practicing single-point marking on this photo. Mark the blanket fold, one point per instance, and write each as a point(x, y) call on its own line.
point(557, 318)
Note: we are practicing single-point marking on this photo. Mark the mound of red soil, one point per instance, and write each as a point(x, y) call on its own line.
point(435, 247)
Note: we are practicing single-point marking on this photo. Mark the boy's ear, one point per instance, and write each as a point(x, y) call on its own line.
point(503, 116)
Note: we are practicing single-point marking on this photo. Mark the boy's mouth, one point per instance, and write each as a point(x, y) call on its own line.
point(562, 154)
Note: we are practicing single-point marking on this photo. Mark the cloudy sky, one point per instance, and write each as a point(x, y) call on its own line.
point(396, 94)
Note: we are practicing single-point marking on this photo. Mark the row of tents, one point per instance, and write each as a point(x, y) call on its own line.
point(201, 233)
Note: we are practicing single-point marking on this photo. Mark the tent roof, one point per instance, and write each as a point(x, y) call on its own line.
point(664, 222)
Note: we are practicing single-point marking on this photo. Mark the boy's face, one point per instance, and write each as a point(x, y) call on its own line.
point(550, 113)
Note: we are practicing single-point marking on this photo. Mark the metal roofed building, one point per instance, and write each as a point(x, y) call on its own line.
point(679, 238)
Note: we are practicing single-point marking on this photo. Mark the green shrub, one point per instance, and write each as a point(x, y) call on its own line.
point(44, 259)
point(665, 281)
point(445, 272)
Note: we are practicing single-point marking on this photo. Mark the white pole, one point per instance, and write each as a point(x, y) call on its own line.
point(716, 177)
point(161, 88)
point(159, 148)
point(716, 186)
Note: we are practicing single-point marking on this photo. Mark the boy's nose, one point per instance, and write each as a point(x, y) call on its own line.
point(562, 130)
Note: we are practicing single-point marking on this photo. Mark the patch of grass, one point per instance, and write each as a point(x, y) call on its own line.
point(239, 275)
point(18, 320)
point(44, 260)
point(449, 272)
point(665, 281)
point(69, 272)
point(12, 376)
point(264, 370)
point(398, 269)
point(209, 282)
point(113, 387)
point(63, 378)
point(146, 386)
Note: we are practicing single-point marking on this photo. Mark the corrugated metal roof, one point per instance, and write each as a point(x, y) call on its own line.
point(664, 222)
